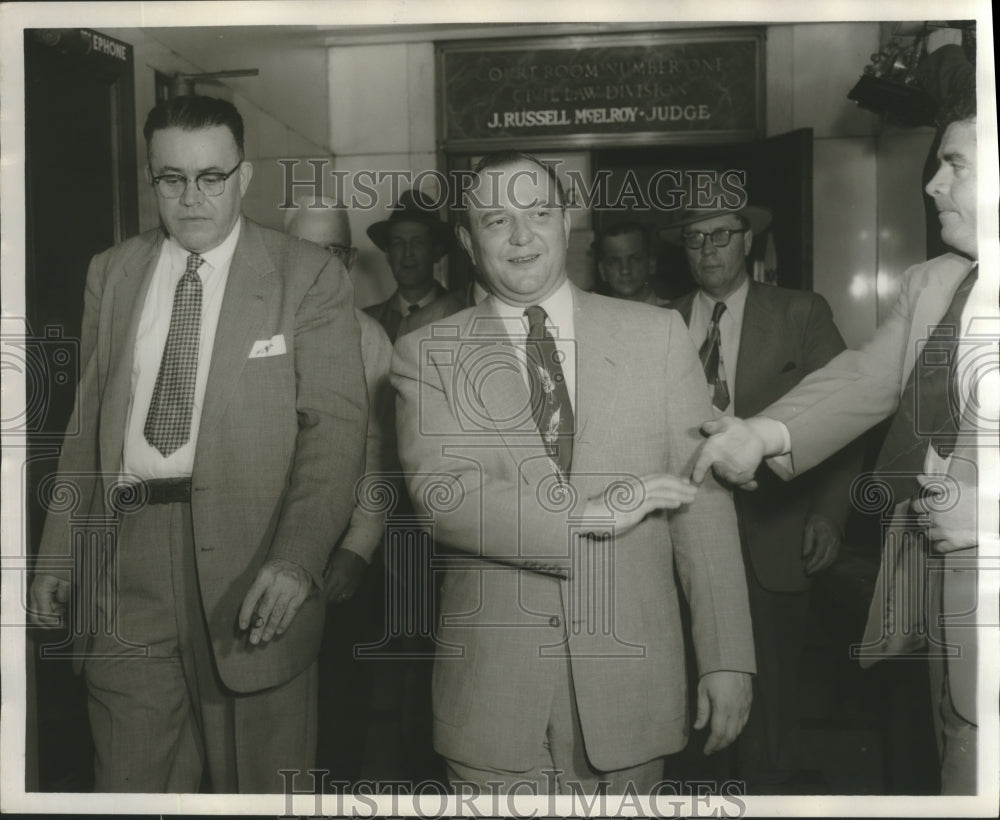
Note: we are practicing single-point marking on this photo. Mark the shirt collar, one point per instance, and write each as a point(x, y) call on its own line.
point(404, 307)
point(558, 306)
point(735, 301)
point(215, 259)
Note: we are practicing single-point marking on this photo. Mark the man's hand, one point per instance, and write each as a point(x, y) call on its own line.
point(724, 698)
point(48, 599)
point(956, 527)
point(735, 448)
point(821, 541)
point(274, 599)
point(346, 571)
point(658, 491)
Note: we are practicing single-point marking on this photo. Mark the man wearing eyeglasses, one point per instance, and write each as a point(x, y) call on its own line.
point(756, 342)
point(222, 413)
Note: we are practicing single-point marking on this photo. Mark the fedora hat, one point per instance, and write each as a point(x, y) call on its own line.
point(720, 199)
point(413, 206)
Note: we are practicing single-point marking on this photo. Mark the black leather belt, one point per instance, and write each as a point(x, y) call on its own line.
point(159, 490)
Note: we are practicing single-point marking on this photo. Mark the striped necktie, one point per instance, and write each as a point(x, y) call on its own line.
point(710, 354)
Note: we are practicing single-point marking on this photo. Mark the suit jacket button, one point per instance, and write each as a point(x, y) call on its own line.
point(554, 621)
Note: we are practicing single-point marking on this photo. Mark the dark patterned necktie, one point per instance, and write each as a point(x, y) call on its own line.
point(550, 402)
point(168, 423)
point(711, 359)
point(928, 408)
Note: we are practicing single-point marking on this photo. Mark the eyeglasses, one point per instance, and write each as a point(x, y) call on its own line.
point(695, 240)
point(210, 183)
point(342, 252)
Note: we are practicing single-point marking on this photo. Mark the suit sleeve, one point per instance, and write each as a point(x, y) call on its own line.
point(704, 534)
point(447, 481)
point(332, 408)
point(78, 471)
point(368, 520)
point(856, 390)
point(831, 485)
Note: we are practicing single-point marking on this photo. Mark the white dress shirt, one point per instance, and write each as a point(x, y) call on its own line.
point(403, 307)
point(140, 458)
point(730, 328)
point(560, 324)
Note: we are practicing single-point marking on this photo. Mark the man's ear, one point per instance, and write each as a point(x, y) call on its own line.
point(567, 224)
point(149, 175)
point(465, 239)
point(747, 241)
point(246, 174)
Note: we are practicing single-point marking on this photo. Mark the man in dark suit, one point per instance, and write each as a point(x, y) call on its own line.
point(221, 414)
point(543, 431)
point(757, 341)
point(413, 238)
point(930, 366)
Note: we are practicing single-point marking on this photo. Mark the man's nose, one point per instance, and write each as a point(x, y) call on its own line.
point(708, 247)
point(937, 181)
point(192, 195)
point(519, 232)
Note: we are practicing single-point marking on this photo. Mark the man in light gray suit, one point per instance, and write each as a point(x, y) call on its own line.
point(544, 432)
point(221, 414)
point(915, 370)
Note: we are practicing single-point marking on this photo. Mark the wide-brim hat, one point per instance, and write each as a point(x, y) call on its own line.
point(722, 200)
point(413, 206)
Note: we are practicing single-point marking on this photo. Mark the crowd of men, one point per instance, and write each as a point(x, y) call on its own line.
point(586, 470)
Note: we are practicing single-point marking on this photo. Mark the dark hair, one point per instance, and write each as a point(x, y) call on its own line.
point(498, 159)
point(622, 229)
point(192, 113)
point(960, 104)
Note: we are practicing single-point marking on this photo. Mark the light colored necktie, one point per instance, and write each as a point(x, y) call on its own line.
point(168, 423)
point(711, 357)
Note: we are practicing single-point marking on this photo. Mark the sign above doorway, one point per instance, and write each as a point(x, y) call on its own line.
point(615, 89)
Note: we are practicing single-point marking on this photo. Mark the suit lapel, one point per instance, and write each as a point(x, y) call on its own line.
point(683, 306)
point(597, 374)
point(755, 334)
point(932, 304)
point(126, 303)
point(494, 372)
point(250, 282)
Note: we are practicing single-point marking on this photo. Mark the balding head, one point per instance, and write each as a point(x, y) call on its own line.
point(324, 223)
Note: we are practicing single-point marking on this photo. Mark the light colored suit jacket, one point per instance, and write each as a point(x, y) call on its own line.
point(860, 388)
point(521, 590)
point(281, 440)
point(786, 334)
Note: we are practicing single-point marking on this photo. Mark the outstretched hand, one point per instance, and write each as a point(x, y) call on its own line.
point(734, 449)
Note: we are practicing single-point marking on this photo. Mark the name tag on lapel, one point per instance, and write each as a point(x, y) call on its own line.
point(275, 346)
